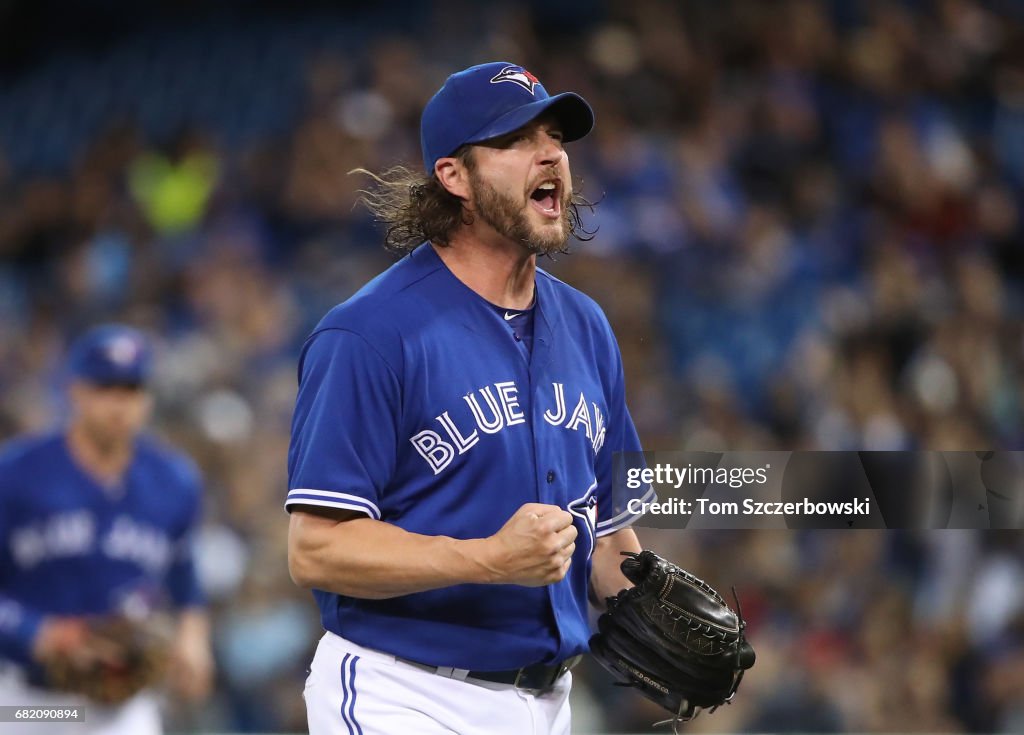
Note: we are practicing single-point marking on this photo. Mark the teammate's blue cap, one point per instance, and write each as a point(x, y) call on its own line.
point(112, 354)
point(490, 100)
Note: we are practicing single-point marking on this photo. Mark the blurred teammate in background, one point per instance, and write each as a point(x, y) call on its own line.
point(96, 521)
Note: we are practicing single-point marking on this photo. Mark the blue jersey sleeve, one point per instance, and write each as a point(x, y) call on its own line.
point(18, 628)
point(612, 500)
point(182, 581)
point(19, 624)
point(345, 427)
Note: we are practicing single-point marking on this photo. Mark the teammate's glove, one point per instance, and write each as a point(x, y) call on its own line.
point(117, 658)
point(672, 637)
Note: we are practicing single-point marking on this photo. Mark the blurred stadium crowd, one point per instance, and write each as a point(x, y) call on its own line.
point(809, 235)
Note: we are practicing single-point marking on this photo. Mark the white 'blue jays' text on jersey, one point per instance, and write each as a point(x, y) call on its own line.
point(417, 407)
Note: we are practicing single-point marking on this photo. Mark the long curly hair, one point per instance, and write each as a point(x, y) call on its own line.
point(416, 207)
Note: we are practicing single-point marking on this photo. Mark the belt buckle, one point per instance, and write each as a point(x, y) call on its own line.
point(554, 675)
point(526, 679)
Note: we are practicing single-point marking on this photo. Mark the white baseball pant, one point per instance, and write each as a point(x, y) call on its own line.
point(353, 690)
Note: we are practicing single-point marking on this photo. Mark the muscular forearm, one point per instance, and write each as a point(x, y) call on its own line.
point(357, 556)
point(606, 578)
point(362, 557)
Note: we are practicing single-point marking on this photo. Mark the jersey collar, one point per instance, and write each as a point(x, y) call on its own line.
point(548, 313)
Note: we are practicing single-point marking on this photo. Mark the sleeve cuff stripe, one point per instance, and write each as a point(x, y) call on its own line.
point(333, 500)
point(329, 504)
point(608, 530)
point(326, 504)
point(617, 521)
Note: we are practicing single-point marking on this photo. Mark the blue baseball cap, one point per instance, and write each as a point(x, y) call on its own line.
point(490, 100)
point(112, 354)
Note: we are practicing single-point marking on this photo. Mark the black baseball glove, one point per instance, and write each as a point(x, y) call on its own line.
point(672, 637)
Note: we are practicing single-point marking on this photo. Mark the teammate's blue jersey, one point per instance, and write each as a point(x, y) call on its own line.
point(417, 407)
point(68, 546)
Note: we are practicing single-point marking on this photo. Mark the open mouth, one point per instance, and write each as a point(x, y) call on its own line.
point(547, 198)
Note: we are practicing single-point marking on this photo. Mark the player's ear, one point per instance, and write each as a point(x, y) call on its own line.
point(453, 176)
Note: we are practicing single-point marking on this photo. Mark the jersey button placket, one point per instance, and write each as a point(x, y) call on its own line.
point(551, 476)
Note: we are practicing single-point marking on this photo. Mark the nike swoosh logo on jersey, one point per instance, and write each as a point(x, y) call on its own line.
point(509, 317)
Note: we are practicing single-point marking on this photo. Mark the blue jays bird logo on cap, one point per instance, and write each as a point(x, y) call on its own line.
point(123, 350)
point(111, 354)
point(517, 75)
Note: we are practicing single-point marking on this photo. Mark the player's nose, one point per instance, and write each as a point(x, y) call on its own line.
point(549, 151)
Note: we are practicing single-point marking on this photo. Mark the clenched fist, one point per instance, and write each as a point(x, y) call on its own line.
point(534, 547)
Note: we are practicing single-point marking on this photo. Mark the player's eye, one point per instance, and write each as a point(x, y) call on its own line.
point(509, 140)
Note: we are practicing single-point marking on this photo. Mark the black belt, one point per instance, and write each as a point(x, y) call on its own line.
point(537, 676)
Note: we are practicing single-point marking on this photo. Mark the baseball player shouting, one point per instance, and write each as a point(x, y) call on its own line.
point(95, 525)
point(450, 468)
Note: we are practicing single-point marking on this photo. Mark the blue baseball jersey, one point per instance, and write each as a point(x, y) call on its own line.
point(418, 406)
point(68, 546)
